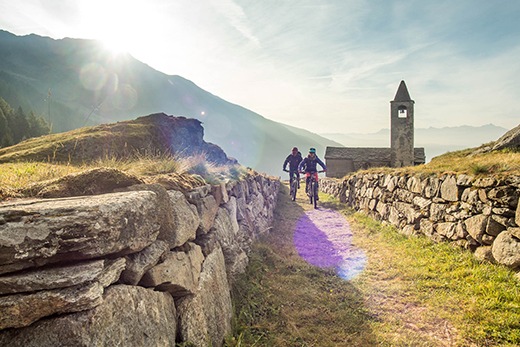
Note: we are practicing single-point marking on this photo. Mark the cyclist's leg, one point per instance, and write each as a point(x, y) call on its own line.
point(298, 178)
point(307, 182)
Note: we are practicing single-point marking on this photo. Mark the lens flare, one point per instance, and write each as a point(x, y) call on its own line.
point(323, 238)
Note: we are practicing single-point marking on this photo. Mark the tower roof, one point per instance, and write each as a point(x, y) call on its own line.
point(402, 93)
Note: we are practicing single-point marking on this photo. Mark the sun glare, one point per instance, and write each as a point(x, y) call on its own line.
point(122, 26)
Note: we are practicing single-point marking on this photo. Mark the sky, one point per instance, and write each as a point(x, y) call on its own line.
point(330, 66)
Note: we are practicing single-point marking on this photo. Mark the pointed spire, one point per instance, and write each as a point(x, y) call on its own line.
point(402, 93)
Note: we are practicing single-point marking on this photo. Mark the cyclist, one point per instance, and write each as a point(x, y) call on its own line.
point(308, 165)
point(293, 160)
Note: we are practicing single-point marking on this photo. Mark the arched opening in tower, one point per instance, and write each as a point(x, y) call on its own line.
point(402, 112)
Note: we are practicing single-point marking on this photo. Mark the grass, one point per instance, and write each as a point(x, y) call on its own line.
point(481, 301)
point(500, 163)
point(412, 292)
point(16, 176)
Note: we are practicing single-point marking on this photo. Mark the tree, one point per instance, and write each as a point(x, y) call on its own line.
point(20, 126)
point(15, 126)
point(37, 125)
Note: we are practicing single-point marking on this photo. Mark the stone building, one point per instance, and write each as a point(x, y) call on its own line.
point(342, 160)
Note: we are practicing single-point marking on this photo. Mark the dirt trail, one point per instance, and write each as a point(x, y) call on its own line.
point(322, 289)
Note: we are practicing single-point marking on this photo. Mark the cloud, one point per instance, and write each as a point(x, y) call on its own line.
point(236, 17)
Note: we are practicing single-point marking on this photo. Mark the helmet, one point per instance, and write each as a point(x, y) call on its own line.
point(312, 150)
point(295, 149)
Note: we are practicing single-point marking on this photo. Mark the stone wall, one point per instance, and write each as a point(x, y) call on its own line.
point(143, 267)
point(478, 213)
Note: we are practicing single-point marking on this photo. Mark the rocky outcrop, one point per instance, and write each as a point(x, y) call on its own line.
point(472, 212)
point(144, 267)
point(155, 133)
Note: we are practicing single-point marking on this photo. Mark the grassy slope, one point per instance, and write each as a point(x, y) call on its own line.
point(500, 163)
point(411, 293)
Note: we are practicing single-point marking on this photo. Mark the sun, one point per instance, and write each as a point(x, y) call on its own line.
point(120, 25)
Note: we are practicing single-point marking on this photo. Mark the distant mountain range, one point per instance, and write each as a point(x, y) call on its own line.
point(74, 83)
point(436, 141)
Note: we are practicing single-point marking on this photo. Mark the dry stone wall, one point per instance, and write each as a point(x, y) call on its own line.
point(478, 213)
point(141, 267)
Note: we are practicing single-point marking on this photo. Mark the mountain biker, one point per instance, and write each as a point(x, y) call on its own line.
point(308, 165)
point(293, 159)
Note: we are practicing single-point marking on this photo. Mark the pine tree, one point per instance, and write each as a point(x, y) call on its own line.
point(20, 126)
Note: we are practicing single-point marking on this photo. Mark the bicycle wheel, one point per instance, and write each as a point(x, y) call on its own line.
point(311, 190)
point(315, 194)
point(294, 189)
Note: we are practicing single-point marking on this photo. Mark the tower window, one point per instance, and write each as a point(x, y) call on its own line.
point(402, 112)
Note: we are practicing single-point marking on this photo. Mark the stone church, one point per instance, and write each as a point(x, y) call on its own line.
point(342, 160)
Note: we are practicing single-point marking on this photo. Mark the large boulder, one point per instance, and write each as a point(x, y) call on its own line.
point(506, 248)
point(39, 232)
point(130, 316)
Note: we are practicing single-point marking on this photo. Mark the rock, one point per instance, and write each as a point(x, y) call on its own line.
point(506, 248)
point(227, 236)
point(484, 253)
point(220, 194)
point(421, 202)
point(207, 242)
point(437, 212)
point(517, 214)
point(232, 208)
point(431, 187)
point(414, 185)
point(511, 139)
point(495, 225)
point(20, 310)
point(484, 182)
point(476, 226)
point(129, 316)
point(185, 221)
point(140, 262)
point(214, 300)
point(193, 327)
point(449, 189)
point(446, 229)
point(112, 271)
point(51, 278)
point(207, 208)
point(465, 180)
point(426, 226)
point(178, 274)
point(48, 231)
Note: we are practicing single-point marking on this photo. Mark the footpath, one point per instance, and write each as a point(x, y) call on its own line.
point(315, 281)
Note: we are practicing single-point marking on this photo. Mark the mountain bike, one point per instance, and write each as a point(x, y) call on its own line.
point(312, 191)
point(293, 184)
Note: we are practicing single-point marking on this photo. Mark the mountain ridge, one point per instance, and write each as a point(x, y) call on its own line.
point(76, 83)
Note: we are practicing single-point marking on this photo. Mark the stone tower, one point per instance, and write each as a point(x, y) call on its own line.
point(401, 128)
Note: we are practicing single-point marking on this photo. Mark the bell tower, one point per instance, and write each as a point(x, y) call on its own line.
point(401, 128)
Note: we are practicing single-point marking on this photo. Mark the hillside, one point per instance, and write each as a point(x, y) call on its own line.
point(76, 83)
point(436, 141)
point(149, 135)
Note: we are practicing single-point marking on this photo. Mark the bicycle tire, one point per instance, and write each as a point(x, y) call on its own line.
point(311, 190)
point(315, 194)
point(294, 189)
